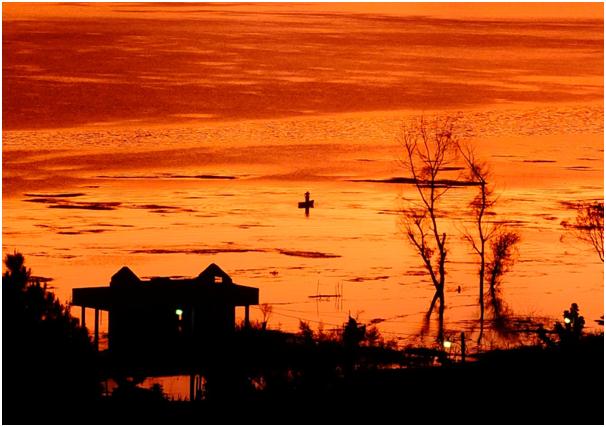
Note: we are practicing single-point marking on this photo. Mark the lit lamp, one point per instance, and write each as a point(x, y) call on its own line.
point(179, 313)
point(447, 344)
point(567, 320)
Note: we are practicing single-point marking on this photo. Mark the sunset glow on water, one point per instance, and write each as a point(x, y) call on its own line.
point(167, 137)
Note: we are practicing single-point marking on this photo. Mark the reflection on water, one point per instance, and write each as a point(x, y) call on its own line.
point(205, 156)
point(111, 208)
point(174, 387)
point(211, 64)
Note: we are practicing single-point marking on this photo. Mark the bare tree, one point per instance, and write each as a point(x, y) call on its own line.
point(589, 225)
point(481, 206)
point(266, 310)
point(488, 234)
point(429, 148)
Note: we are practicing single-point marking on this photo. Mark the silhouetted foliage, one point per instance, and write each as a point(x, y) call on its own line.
point(429, 148)
point(572, 329)
point(266, 310)
point(500, 260)
point(48, 358)
point(306, 332)
point(569, 334)
point(353, 333)
point(16, 275)
point(373, 336)
point(589, 225)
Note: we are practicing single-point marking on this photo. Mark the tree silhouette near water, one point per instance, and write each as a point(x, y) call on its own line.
point(491, 241)
point(589, 225)
point(49, 361)
point(429, 149)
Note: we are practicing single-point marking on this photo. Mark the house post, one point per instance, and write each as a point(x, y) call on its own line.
point(83, 317)
point(247, 316)
point(96, 336)
point(193, 323)
point(191, 386)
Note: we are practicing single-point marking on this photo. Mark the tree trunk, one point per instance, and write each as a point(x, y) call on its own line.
point(493, 296)
point(433, 304)
point(482, 260)
point(441, 315)
point(481, 296)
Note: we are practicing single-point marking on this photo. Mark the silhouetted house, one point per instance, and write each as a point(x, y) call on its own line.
point(164, 311)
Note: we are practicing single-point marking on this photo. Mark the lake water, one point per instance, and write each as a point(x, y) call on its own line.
point(192, 142)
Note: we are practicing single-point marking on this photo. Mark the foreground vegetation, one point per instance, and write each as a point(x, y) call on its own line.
point(275, 377)
point(52, 375)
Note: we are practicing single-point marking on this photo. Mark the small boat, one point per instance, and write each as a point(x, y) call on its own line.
point(306, 204)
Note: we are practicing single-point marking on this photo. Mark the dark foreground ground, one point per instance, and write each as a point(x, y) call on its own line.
point(531, 385)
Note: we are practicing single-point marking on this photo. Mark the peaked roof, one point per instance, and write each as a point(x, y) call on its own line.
point(212, 271)
point(124, 276)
